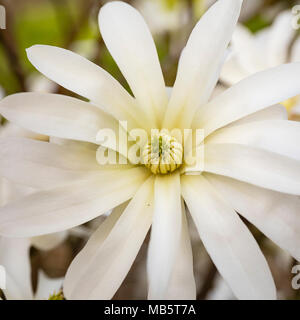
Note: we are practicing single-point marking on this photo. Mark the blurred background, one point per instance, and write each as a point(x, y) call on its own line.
point(73, 24)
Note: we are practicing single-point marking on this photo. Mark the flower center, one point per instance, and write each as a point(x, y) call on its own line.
point(163, 155)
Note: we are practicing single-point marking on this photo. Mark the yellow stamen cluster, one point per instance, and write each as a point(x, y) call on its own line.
point(163, 155)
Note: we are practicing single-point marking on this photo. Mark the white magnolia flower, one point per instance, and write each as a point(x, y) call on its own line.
point(249, 8)
point(268, 48)
point(251, 166)
point(163, 15)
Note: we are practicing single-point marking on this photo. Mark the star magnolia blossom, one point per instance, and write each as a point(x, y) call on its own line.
point(266, 49)
point(251, 166)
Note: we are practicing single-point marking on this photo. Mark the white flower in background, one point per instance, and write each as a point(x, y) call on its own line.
point(251, 166)
point(164, 15)
point(249, 8)
point(267, 48)
point(14, 256)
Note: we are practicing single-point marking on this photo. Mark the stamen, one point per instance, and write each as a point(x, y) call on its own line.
point(163, 155)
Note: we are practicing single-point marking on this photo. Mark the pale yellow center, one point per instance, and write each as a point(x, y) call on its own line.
point(163, 154)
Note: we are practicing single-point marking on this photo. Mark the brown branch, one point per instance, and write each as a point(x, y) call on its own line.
point(8, 41)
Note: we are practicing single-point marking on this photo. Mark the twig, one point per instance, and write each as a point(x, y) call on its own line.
point(9, 44)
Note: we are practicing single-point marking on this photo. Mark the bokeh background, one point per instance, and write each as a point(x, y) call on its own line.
point(72, 24)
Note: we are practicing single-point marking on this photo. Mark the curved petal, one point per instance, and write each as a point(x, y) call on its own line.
point(14, 257)
point(129, 41)
point(56, 115)
point(279, 136)
point(200, 63)
point(44, 165)
point(83, 77)
point(165, 234)
point(276, 112)
point(100, 268)
point(182, 284)
point(275, 214)
point(71, 205)
point(259, 167)
point(9, 130)
point(228, 241)
point(255, 93)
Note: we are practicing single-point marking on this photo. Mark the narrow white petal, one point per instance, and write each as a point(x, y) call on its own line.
point(165, 234)
point(100, 268)
point(228, 241)
point(259, 167)
point(44, 165)
point(255, 93)
point(56, 115)
point(277, 136)
point(276, 112)
point(83, 77)
point(71, 205)
point(182, 285)
point(129, 41)
point(14, 257)
point(275, 214)
point(200, 62)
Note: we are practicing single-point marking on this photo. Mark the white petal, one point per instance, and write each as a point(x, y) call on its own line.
point(44, 165)
point(275, 214)
point(47, 286)
point(9, 130)
point(228, 241)
point(71, 205)
point(259, 167)
point(100, 268)
point(79, 75)
point(255, 93)
point(165, 234)
point(276, 112)
point(56, 115)
point(14, 256)
point(200, 62)
point(277, 136)
point(129, 41)
point(182, 285)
